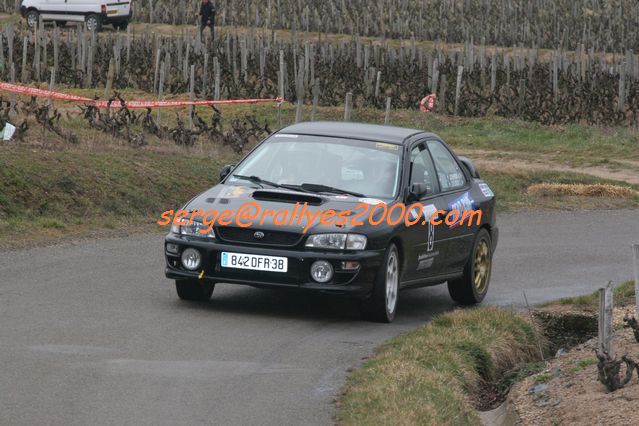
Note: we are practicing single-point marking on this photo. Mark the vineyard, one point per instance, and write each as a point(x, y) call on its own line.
point(604, 25)
point(553, 87)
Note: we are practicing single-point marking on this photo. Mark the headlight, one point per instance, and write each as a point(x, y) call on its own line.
point(356, 242)
point(193, 230)
point(337, 241)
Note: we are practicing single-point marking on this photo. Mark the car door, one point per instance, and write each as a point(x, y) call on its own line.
point(455, 194)
point(53, 9)
point(426, 249)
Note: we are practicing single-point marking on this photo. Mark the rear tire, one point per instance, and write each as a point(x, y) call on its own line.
point(472, 287)
point(93, 22)
point(382, 305)
point(32, 18)
point(194, 290)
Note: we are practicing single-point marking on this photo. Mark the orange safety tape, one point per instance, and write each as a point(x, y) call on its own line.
point(33, 91)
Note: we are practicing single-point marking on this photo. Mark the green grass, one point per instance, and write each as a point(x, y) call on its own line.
point(622, 295)
point(543, 378)
point(434, 374)
point(583, 363)
point(45, 192)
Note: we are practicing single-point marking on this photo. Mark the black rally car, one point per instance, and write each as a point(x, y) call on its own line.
point(340, 166)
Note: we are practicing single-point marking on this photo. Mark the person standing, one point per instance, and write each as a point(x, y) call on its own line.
point(207, 17)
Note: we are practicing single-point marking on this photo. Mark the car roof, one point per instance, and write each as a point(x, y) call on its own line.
point(372, 132)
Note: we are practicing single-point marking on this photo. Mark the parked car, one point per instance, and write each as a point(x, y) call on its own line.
point(339, 166)
point(94, 13)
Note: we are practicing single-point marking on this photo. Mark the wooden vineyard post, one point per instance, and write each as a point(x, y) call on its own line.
point(156, 72)
point(316, 92)
point(205, 74)
point(300, 91)
point(25, 46)
point(191, 96)
point(460, 72)
point(13, 80)
point(217, 71)
point(160, 93)
point(348, 106)
point(388, 111)
point(51, 85)
point(109, 83)
point(377, 84)
point(280, 83)
point(605, 319)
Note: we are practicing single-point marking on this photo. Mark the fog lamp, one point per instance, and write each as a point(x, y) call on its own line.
point(172, 248)
point(321, 271)
point(191, 259)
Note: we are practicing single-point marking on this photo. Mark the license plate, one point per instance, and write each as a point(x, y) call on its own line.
point(254, 262)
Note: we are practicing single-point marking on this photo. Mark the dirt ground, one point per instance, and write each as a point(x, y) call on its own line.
point(622, 170)
point(567, 392)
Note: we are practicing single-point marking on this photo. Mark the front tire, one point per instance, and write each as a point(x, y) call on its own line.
point(93, 22)
point(32, 18)
point(382, 305)
point(472, 287)
point(194, 290)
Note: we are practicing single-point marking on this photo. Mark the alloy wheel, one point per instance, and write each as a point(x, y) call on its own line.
point(482, 266)
point(392, 281)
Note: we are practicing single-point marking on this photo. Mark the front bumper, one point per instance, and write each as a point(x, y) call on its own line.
point(357, 283)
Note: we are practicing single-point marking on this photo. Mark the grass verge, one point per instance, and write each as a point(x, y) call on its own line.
point(622, 295)
point(435, 374)
point(49, 194)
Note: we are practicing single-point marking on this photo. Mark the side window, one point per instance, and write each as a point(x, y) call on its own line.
point(448, 171)
point(422, 169)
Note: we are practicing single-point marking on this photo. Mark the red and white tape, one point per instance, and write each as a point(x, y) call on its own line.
point(33, 91)
point(169, 104)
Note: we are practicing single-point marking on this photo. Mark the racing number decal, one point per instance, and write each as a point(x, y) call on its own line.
point(427, 212)
point(431, 236)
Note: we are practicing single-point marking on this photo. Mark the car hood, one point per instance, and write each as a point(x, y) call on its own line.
point(241, 200)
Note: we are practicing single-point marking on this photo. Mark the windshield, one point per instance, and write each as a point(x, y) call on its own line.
point(369, 168)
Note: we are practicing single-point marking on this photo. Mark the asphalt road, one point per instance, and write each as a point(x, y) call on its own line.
point(93, 333)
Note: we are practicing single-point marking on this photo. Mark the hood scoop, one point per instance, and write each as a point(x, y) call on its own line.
point(288, 197)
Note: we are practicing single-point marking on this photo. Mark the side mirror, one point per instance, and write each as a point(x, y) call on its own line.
point(469, 166)
point(226, 170)
point(417, 191)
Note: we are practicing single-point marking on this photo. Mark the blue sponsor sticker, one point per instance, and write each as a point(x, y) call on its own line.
point(461, 203)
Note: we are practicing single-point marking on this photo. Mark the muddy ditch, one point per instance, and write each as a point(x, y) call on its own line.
point(564, 328)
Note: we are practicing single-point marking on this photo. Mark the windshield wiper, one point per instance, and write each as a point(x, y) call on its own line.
point(258, 180)
point(261, 182)
point(323, 188)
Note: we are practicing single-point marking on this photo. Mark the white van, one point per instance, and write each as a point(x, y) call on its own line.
point(94, 12)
